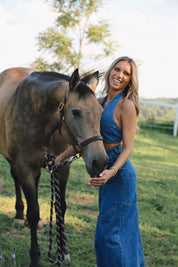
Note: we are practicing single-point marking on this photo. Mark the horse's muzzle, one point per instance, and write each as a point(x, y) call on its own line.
point(96, 166)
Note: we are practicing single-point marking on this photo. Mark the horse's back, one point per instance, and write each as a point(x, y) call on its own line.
point(9, 80)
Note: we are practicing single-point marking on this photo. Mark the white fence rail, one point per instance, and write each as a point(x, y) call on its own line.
point(166, 105)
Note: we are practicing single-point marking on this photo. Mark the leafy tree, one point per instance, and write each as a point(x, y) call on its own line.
point(76, 36)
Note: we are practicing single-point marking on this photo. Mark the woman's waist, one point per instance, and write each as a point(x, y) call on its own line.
point(108, 145)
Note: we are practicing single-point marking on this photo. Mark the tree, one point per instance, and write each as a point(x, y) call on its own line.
point(76, 36)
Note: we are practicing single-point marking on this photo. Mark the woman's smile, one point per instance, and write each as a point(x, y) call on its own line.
point(120, 76)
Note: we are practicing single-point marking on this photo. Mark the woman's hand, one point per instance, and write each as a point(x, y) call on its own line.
point(102, 179)
point(47, 168)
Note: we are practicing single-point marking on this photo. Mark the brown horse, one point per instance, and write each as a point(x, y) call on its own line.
point(29, 114)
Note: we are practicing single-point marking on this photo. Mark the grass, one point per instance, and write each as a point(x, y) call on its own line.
point(155, 159)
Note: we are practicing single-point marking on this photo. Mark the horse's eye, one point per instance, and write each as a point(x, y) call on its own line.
point(76, 112)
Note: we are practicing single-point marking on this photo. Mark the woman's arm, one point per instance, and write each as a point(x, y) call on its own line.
point(65, 155)
point(128, 125)
point(128, 120)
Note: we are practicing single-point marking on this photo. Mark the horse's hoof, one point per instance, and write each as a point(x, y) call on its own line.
point(35, 265)
point(19, 222)
point(40, 224)
point(66, 259)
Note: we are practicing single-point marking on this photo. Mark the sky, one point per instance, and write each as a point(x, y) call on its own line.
point(146, 30)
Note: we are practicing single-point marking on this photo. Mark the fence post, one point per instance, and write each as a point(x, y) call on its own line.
point(175, 122)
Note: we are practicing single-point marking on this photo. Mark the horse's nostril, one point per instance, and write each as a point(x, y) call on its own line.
point(98, 166)
point(96, 163)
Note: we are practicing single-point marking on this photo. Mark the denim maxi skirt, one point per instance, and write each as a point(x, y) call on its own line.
point(117, 238)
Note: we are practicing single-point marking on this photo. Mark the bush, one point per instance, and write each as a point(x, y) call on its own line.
point(161, 126)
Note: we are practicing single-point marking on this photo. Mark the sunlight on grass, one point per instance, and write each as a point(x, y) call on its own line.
point(75, 222)
point(154, 231)
point(155, 159)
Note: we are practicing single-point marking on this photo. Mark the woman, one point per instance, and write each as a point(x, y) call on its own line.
point(117, 237)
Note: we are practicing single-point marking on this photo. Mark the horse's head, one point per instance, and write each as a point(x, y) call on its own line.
point(82, 114)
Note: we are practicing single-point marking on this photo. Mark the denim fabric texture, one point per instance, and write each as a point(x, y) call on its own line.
point(110, 131)
point(117, 238)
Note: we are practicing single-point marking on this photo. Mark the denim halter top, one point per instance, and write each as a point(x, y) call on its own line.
point(110, 131)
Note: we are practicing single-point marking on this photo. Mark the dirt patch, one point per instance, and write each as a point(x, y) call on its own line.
point(83, 199)
point(89, 212)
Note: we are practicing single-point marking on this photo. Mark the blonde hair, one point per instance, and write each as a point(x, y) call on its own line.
point(131, 91)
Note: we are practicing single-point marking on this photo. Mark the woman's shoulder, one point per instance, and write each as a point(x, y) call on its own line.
point(126, 105)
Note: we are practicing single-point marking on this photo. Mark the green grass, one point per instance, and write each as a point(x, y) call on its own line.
point(155, 157)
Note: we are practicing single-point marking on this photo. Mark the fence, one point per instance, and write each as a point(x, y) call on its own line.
point(175, 127)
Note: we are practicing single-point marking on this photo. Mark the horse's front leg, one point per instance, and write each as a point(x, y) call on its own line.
point(29, 187)
point(63, 174)
point(63, 178)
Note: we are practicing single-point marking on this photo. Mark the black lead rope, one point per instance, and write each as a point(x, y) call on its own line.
point(55, 190)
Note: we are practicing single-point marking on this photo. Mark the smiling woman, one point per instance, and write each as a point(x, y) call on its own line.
point(117, 237)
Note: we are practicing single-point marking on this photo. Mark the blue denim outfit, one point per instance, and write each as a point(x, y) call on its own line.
point(110, 131)
point(117, 238)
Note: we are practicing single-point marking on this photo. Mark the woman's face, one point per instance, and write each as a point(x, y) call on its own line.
point(120, 76)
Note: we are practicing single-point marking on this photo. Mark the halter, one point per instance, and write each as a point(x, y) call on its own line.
point(77, 146)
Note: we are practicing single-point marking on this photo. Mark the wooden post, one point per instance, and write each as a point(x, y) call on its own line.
point(166, 105)
point(175, 122)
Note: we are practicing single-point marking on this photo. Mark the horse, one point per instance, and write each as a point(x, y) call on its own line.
point(29, 102)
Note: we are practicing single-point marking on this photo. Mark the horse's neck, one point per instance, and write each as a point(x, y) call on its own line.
point(41, 99)
point(47, 107)
point(49, 97)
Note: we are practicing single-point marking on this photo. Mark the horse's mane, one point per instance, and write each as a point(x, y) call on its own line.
point(84, 90)
point(50, 76)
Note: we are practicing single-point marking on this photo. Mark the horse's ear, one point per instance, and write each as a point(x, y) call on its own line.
point(93, 81)
point(74, 80)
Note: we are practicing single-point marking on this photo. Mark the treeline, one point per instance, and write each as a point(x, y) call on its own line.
point(158, 117)
point(154, 112)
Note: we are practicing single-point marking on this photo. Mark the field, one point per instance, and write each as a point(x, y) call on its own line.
point(155, 157)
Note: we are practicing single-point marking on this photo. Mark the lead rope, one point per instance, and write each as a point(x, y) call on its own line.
point(55, 188)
